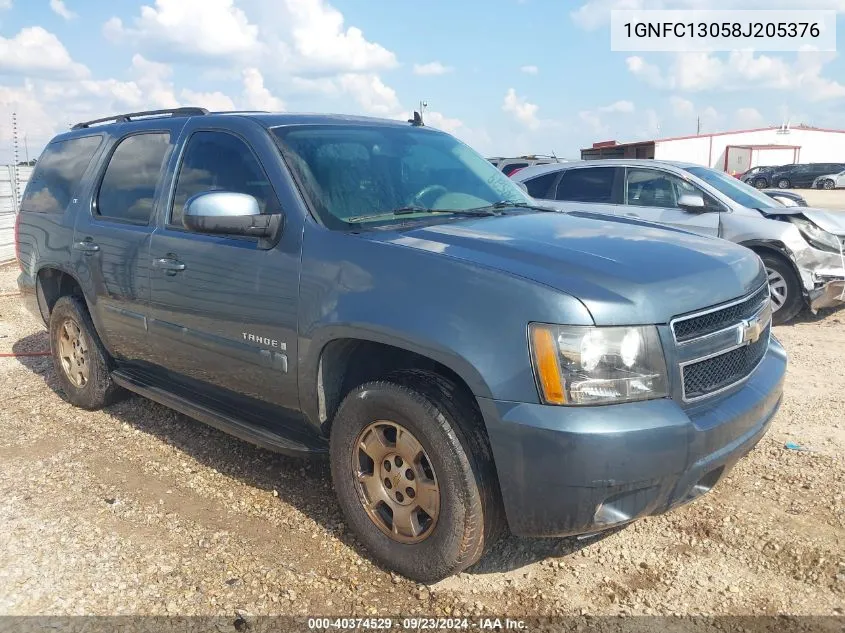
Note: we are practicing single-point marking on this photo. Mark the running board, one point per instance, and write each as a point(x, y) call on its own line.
point(252, 433)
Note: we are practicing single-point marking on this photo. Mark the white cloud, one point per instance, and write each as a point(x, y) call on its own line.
point(681, 107)
point(36, 52)
point(198, 29)
point(432, 68)
point(521, 109)
point(59, 8)
point(749, 118)
point(317, 40)
point(212, 100)
point(742, 70)
point(5, 4)
point(256, 95)
point(371, 93)
point(530, 69)
point(619, 106)
point(596, 13)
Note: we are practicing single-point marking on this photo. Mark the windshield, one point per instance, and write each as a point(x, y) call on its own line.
point(736, 190)
point(358, 175)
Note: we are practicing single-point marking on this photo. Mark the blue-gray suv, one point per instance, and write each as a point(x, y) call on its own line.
point(378, 292)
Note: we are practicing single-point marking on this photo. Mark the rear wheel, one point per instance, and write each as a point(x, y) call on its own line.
point(783, 183)
point(785, 289)
point(416, 487)
point(81, 361)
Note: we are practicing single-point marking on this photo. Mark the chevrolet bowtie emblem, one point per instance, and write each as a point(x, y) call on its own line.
point(751, 331)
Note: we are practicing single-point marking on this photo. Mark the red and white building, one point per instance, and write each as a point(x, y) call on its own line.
point(735, 152)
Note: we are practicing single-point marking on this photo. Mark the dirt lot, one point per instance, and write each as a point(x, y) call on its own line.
point(824, 199)
point(139, 510)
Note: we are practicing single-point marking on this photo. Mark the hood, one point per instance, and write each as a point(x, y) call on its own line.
point(625, 272)
point(830, 221)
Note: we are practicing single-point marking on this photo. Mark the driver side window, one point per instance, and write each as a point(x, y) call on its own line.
point(654, 188)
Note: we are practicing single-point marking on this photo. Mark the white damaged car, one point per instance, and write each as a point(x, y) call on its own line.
point(803, 248)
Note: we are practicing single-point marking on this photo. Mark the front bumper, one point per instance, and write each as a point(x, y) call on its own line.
point(575, 470)
point(829, 295)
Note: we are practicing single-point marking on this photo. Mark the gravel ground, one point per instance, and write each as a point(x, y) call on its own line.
point(140, 510)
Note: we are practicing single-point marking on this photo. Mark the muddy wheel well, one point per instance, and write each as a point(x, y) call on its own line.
point(348, 363)
point(52, 284)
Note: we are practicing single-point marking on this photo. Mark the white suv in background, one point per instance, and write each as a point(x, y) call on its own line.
point(509, 166)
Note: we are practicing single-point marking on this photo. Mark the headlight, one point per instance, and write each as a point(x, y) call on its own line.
point(580, 365)
point(816, 237)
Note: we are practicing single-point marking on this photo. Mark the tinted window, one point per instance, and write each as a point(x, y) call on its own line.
point(590, 184)
point(216, 161)
point(509, 169)
point(129, 184)
point(540, 187)
point(57, 174)
point(734, 189)
point(351, 173)
point(653, 188)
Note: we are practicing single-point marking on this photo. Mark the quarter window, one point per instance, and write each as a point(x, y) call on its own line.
point(57, 174)
point(540, 187)
point(129, 184)
point(589, 184)
point(217, 161)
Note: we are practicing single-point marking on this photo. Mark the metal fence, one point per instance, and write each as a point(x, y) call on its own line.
point(12, 183)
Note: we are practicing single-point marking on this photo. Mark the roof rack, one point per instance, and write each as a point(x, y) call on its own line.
point(125, 118)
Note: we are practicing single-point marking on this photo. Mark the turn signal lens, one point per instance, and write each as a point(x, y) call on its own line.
point(546, 360)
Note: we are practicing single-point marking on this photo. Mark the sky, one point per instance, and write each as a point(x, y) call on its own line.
point(508, 77)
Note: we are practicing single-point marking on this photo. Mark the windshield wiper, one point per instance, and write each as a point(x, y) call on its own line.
point(506, 204)
point(411, 209)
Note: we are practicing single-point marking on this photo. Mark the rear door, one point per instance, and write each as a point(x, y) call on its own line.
point(597, 189)
point(112, 237)
point(653, 195)
point(223, 311)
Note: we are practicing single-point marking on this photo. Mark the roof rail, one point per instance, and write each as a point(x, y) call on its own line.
point(124, 118)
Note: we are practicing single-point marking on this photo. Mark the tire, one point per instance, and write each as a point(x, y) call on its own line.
point(759, 183)
point(828, 184)
point(787, 297)
point(783, 183)
point(448, 428)
point(86, 384)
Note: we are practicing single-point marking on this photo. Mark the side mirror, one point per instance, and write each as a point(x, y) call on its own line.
point(230, 213)
point(692, 202)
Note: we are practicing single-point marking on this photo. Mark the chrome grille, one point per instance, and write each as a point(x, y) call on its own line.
point(708, 376)
point(696, 326)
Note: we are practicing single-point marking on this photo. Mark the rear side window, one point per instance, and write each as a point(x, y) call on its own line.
point(589, 184)
point(540, 187)
point(509, 169)
point(217, 161)
point(129, 184)
point(57, 174)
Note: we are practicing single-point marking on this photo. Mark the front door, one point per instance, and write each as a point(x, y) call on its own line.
point(653, 195)
point(223, 312)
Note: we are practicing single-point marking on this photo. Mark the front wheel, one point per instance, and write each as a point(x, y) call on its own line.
point(784, 287)
point(760, 183)
point(783, 183)
point(828, 184)
point(415, 488)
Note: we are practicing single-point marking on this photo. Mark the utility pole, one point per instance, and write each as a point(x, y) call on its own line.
point(26, 148)
point(698, 127)
point(15, 187)
point(423, 106)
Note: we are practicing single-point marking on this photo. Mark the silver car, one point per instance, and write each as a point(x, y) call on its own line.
point(830, 181)
point(802, 248)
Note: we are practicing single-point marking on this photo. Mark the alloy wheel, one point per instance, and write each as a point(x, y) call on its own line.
point(397, 485)
point(73, 353)
point(778, 289)
point(783, 184)
point(828, 184)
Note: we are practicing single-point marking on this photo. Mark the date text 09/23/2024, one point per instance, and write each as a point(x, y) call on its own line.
point(419, 623)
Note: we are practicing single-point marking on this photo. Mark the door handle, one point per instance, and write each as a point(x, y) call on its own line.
point(87, 247)
point(632, 215)
point(169, 264)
